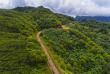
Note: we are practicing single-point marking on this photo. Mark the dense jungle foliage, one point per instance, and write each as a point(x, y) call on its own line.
point(45, 17)
point(99, 32)
point(20, 52)
point(79, 49)
point(83, 48)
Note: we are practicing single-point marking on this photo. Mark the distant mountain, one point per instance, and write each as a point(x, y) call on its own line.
point(98, 18)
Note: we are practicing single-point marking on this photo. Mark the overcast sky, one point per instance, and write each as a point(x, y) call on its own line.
point(69, 7)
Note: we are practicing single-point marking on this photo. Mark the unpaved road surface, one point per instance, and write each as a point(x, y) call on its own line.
point(51, 63)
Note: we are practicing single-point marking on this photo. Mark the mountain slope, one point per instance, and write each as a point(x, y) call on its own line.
point(18, 40)
point(20, 52)
point(74, 52)
point(83, 47)
point(51, 63)
point(45, 17)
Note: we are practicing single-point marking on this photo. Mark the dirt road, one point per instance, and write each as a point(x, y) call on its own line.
point(51, 63)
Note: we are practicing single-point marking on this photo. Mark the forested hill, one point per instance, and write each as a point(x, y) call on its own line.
point(83, 48)
point(45, 17)
point(20, 52)
point(98, 18)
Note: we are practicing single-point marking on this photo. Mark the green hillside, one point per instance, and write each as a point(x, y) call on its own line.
point(99, 32)
point(74, 52)
point(82, 48)
point(20, 52)
point(45, 17)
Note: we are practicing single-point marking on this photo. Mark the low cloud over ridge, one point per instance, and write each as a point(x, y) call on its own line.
point(69, 7)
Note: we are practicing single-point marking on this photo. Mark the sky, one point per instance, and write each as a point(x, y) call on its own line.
point(68, 7)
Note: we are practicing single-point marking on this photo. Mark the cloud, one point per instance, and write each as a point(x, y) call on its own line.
point(103, 3)
point(16, 3)
point(68, 7)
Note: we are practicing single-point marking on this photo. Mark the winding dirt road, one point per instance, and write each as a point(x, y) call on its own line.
point(51, 63)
